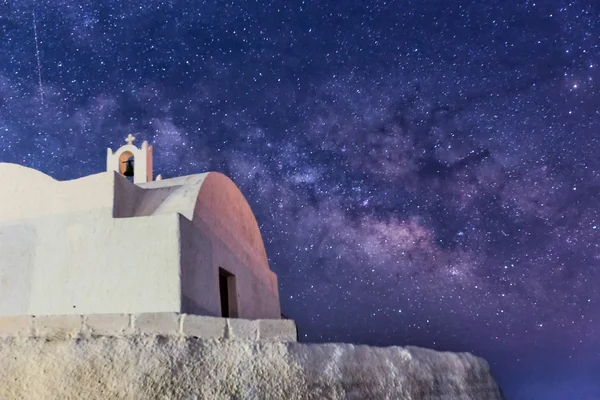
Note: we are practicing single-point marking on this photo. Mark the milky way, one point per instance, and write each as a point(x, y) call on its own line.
point(423, 172)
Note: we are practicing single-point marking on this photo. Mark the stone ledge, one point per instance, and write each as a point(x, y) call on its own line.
point(279, 330)
point(16, 326)
point(147, 324)
point(242, 329)
point(157, 323)
point(203, 327)
point(108, 324)
point(57, 326)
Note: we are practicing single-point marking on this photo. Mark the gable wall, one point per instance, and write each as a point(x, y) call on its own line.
point(89, 263)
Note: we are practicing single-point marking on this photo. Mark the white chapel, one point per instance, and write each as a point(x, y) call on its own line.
point(104, 244)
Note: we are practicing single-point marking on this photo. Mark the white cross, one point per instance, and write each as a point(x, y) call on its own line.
point(130, 139)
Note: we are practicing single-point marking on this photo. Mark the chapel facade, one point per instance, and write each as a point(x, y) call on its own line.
point(123, 242)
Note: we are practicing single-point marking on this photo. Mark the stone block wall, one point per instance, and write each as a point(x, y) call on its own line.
point(152, 324)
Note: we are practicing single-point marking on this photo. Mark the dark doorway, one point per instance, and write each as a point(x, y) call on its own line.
point(228, 294)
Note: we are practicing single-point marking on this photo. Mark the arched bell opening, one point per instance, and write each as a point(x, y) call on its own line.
point(126, 165)
point(134, 163)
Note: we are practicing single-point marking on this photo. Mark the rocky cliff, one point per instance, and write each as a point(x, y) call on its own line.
point(49, 362)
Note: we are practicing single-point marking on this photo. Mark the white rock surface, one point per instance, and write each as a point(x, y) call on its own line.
point(163, 367)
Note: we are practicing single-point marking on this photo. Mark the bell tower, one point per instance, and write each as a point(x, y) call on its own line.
point(129, 160)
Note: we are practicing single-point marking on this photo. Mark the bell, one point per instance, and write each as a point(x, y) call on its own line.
point(128, 168)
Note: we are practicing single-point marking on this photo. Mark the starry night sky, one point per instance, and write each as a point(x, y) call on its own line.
point(424, 172)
